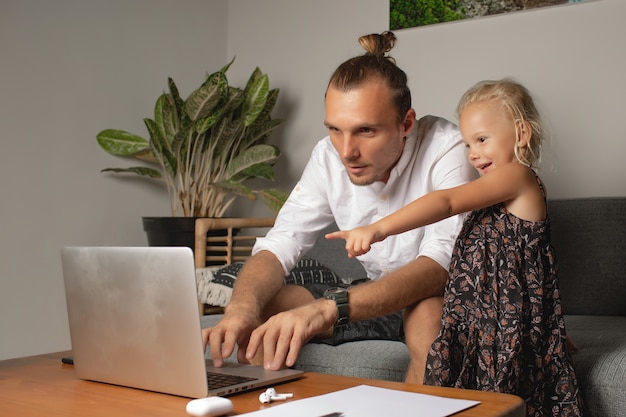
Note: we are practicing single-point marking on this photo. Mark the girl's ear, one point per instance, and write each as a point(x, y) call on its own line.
point(524, 133)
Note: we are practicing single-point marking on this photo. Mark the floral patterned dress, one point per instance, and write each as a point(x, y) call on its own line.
point(503, 328)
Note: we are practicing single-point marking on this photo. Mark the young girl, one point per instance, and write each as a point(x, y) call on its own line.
point(502, 327)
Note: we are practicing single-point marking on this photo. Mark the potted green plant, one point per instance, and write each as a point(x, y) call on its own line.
point(207, 146)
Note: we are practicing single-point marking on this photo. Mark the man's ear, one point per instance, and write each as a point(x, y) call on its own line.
point(524, 133)
point(409, 122)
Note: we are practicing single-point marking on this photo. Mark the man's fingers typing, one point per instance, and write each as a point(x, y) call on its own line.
point(215, 346)
point(253, 344)
point(280, 345)
point(294, 351)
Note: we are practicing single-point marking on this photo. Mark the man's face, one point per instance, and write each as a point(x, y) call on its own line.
point(364, 129)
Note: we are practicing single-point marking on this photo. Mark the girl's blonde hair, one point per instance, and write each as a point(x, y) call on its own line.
point(519, 104)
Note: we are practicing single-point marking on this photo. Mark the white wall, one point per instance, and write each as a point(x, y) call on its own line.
point(572, 57)
point(70, 68)
point(299, 44)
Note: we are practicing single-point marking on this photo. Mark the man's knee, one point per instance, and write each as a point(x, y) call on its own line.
point(289, 297)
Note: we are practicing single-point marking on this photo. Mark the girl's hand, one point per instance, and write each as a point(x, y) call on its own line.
point(359, 240)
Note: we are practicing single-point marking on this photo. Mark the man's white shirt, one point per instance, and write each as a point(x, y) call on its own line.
point(433, 158)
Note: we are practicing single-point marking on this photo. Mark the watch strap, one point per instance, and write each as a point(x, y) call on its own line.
point(340, 297)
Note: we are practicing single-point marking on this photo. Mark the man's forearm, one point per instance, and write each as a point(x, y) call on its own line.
point(258, 282)
point(420, 279)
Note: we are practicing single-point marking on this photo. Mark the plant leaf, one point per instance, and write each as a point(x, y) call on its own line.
point(252, 156)
point(256, 96)
point(219, 80)
point(273, 199)
point(180, 142)
point(237, 188)
point(263, 170)
point(225, 134)
point(165, 117)
point(121, 143)
point(143, 171)
point(161, 149)
point(178, 101)
point(202, 102)
point(146, 155)
point(272, 97)
point(256, 74)
point(259, 132)
point(206, 123)
point(225, 67)
point(233, 100)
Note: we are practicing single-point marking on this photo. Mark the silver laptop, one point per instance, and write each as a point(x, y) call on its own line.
point(134, 321)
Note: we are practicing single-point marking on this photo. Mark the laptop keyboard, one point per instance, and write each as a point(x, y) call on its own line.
point(217, 380)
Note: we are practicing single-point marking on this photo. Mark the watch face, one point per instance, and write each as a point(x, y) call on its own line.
point(336, 293)
point(340, 295)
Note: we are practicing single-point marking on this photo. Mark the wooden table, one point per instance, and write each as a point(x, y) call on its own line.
point(43, 386)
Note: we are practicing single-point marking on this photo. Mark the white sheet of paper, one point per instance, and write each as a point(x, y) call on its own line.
point(366, 401)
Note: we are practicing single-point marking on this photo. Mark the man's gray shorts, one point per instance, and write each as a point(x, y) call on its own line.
point(388, 327)
point(316, 278)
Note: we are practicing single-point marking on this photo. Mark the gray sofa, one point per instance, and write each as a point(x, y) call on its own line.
point(589, 235)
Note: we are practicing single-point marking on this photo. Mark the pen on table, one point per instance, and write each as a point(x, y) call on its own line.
point(335, 414)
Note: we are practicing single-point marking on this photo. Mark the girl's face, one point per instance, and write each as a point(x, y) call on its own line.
point(489, 135)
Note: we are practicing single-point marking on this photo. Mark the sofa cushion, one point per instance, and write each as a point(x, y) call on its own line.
point(600, 362)
point(215, 284)
point(372, 359)
point(589, 237)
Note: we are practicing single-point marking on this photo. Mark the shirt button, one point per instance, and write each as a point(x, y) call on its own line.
point(383, 197)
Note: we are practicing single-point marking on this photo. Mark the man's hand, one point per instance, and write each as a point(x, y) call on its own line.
point(282, 336)
point(359, 240)
point(260, 279)
point(234, 328)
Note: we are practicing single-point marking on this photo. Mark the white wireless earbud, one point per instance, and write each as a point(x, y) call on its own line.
point(270, 395)
point(264, 398)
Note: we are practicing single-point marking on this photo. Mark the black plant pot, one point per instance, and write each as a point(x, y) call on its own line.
point(170, 231)
point(178, 231)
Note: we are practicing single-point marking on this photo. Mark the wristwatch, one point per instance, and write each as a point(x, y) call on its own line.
point(340, 296)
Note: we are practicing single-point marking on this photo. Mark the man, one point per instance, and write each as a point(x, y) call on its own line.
point(376, 159)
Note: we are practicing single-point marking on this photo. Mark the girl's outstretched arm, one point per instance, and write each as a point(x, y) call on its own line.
point(427, 209)
point(500, 185)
